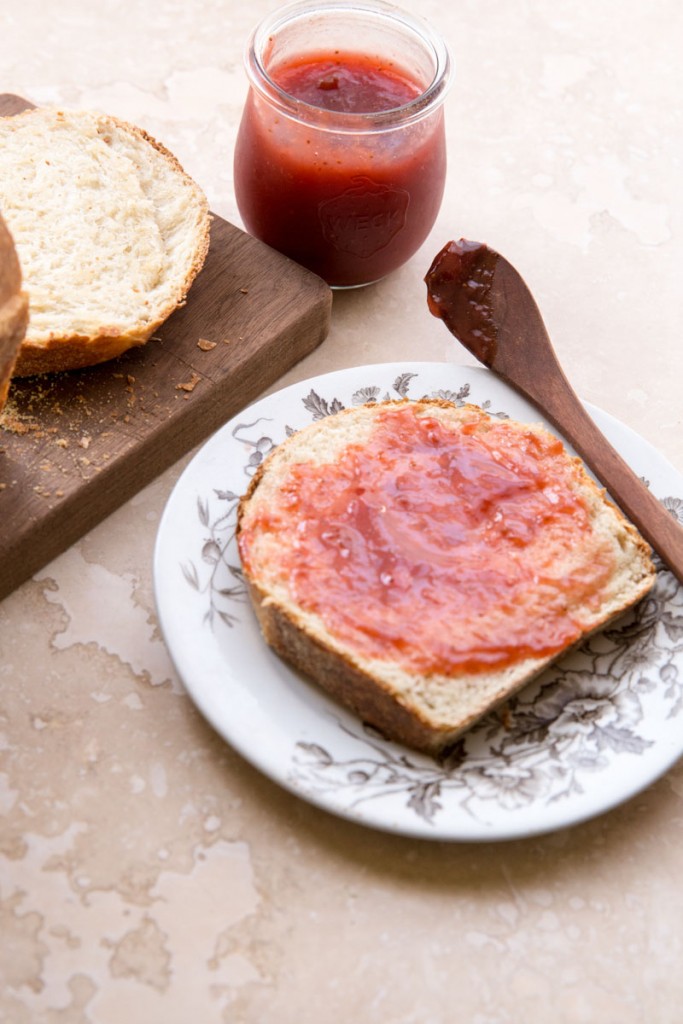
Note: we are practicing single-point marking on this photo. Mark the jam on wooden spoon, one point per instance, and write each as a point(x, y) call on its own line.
point(487, 305)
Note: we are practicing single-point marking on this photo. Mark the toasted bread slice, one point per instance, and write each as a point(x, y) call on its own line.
point(422, 561)
point(109, 229)
point(13, 310)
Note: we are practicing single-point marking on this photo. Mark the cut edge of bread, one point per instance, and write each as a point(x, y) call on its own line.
point(401, 705)
point(166, 190)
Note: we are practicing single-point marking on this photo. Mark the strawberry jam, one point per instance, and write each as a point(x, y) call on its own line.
point(443, 546)
point(327, 172)
point(352, 83)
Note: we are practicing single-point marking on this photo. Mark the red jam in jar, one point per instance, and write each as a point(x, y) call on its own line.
point(352, 83)
point(340, 160)
point(444, 547)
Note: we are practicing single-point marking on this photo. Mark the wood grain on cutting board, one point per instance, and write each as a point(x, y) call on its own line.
point(74, 446)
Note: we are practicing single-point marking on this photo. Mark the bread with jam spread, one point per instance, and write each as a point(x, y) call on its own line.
point(13, 310)
point(422, 562)
point(109, 229)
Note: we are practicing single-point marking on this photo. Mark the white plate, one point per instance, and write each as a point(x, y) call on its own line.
point(588, 734)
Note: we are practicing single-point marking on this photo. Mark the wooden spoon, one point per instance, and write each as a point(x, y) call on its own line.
point(487, 305)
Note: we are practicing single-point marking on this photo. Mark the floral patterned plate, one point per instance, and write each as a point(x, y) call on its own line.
point(591, 732)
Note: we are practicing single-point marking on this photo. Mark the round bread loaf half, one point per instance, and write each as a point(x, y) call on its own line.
point(13, 310)
point(109, 229)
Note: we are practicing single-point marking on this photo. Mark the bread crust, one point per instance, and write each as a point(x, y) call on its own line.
point(353, 686)
point(365, 694)
point(61, 350)
point(13, 310)
point(372, 694)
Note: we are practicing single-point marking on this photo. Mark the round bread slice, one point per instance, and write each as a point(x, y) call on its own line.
point(13, 310)
point(109, 229)
point(422, 561)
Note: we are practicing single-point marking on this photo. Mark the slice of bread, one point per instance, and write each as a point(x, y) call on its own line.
point(13, 310)
point(422, 561)
point(109, 229)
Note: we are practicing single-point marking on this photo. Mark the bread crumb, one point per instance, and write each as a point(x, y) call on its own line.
point(245, 291)
point(189, 385)
point(505, 716)
point(205, 345)
point(14, 422)
point(14, 426)
point(85, 441)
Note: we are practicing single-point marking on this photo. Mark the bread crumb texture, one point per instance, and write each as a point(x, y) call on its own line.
point(109, 229)
point(423, 561)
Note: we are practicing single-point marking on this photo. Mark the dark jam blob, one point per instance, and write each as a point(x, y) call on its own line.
point(458, 286)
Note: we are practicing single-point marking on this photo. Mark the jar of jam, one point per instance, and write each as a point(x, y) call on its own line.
point(340, 160)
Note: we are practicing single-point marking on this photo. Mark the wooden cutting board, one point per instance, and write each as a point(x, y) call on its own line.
point(75, 446)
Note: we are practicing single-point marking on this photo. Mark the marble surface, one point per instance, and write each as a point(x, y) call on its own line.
point(146, 872)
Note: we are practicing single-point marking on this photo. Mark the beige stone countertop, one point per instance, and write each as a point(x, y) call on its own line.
point(147, 872)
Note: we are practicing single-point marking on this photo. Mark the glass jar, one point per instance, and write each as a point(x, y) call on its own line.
point(340, 160)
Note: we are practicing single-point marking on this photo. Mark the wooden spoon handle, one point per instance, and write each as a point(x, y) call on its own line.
point(563, 408)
